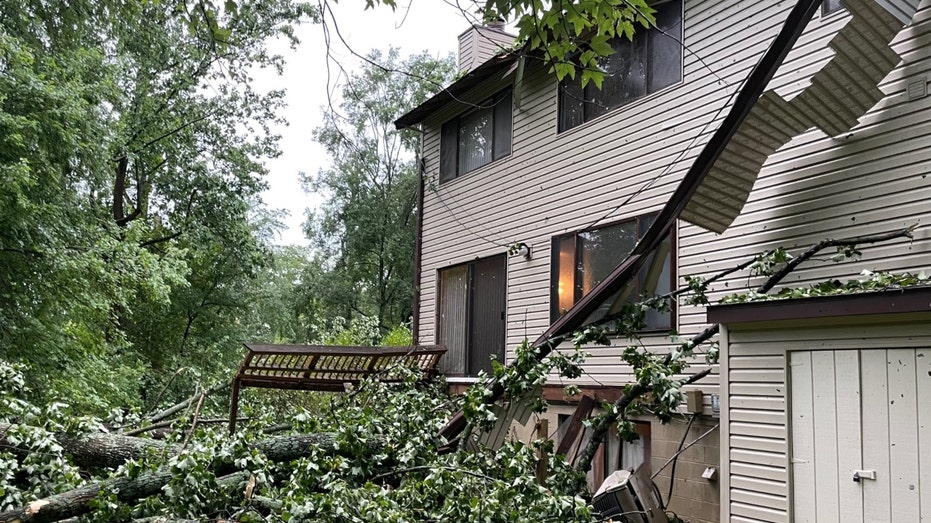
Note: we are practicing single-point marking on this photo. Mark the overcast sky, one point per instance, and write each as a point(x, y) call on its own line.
point(431, 25)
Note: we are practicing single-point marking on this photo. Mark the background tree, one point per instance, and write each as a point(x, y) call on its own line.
point(130, 148)
point(365, 228)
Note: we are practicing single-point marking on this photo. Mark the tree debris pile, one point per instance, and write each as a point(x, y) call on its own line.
point(366, 456)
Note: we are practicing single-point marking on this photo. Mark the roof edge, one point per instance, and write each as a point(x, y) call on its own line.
point(455, 90)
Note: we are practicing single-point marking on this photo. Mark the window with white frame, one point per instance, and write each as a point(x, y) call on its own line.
point(582, 259)
point(649, 62)
point(476, 138)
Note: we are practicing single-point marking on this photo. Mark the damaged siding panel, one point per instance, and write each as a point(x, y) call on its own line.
point(874, 179)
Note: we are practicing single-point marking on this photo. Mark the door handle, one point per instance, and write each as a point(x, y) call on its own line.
point(864, 474)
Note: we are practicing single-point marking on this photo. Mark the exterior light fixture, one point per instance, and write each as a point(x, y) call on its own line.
point(520, 249)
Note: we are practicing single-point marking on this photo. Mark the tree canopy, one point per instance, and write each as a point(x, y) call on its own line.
point(131, 147)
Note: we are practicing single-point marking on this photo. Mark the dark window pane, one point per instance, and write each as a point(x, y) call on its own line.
point(475, 139)
point(571, 104)
point(655, 279)
point(646, 64)
point(448, 146)
point(601, 250)
point(626, 74)
point(503, 122)
point(596, 253)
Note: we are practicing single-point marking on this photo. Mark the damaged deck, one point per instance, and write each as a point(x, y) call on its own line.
point(325, 368)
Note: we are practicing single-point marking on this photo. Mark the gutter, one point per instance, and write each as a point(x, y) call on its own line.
point(753, 88)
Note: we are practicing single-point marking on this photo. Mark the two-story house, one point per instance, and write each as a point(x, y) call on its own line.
point(534, 190)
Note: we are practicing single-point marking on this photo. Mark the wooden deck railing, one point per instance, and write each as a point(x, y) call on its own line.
point(324, 367)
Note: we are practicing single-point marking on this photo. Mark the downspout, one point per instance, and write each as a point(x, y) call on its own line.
point(418, 245)
point(756, 83)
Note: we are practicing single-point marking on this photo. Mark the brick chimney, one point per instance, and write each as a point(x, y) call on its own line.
point(481, 42)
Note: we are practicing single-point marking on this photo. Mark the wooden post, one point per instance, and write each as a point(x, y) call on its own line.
point(543, 433)
point(234, 405)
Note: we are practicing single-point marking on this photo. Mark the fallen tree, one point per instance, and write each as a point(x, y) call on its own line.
point(373, 453)
point(106, 450)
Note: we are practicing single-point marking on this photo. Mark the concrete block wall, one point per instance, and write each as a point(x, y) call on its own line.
point(695, 499)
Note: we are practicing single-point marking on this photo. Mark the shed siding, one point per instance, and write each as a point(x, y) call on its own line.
point(756, 483)
point(873, 180)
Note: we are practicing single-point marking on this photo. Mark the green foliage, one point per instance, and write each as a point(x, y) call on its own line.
point(398, 336)
point(869, 281)
point(385, 467)
point(573, 36)
point(42, 469)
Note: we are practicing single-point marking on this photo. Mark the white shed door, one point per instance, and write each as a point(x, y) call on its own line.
point(866, 411)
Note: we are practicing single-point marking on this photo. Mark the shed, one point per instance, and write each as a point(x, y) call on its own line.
point(826, 408)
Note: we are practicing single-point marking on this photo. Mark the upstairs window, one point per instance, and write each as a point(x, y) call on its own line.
point(829, 6)
point(581, 260)
point(476, 138)
point(650, 62)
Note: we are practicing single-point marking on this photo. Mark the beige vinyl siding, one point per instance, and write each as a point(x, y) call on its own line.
point(870, 181)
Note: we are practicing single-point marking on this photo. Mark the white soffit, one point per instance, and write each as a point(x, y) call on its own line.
point(837, 96)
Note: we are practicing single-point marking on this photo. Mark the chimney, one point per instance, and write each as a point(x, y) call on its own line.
point(480, 43)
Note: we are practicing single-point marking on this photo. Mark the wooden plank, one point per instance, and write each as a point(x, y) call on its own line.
point(574, 425)
point(759, 513)
point(773, 417)
point(923, 375)
point(804, 493)
point(774, 488)
point(760, 499)
point(875, 428)
point(847, 388)
point(761, 430)
point(903, 436)
point(825, 425)
point(753, 443)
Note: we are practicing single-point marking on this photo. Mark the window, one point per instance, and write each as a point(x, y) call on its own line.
point(829, 6)
point(616, 454)
point(471, 315)
point(476, 138)
point(581, 260)
point(626, 455)
point(650, 62)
